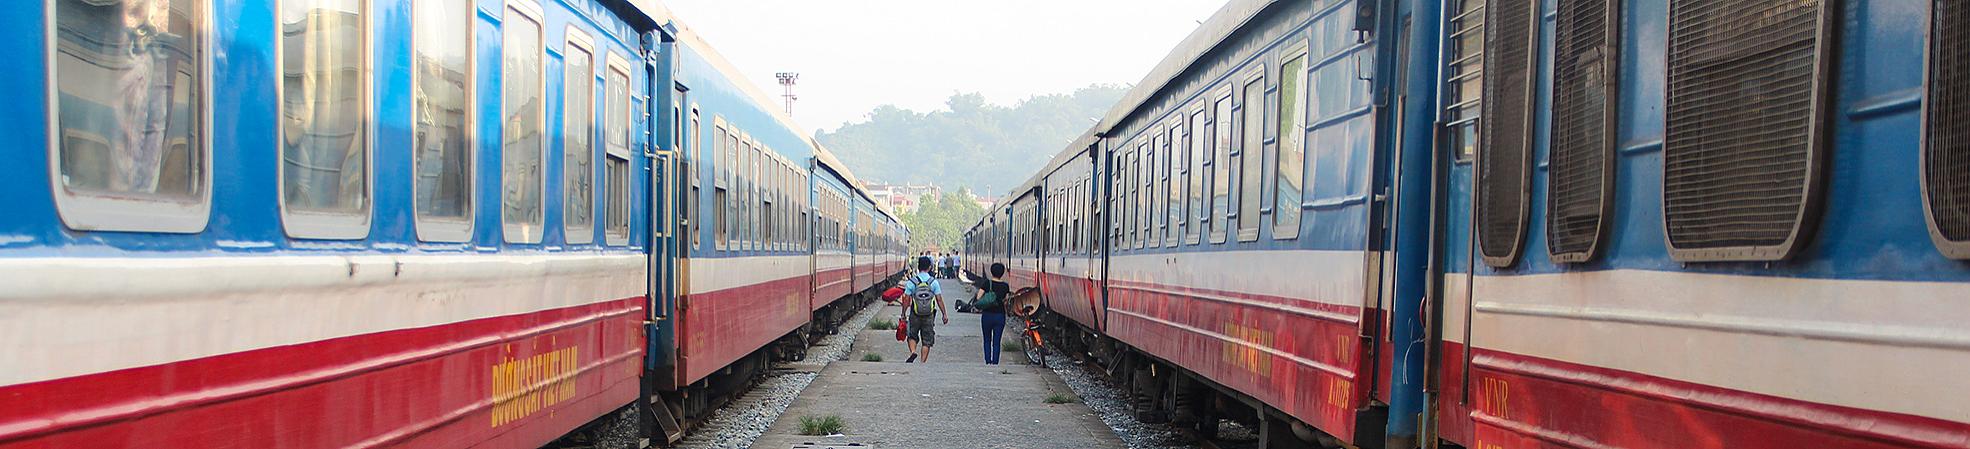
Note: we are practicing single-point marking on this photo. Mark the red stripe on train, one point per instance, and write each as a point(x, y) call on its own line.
point(719, 327)
point(516, 381)
point(1304, 358)
point(1520, 402)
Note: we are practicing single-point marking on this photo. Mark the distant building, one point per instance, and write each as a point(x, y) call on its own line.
point(904, 198)
point(984, 202)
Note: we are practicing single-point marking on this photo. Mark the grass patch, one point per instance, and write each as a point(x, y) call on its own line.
point(882, 324)
point(1061, 398)
point(872, 357)
point(825, 425)
point(1012, 345)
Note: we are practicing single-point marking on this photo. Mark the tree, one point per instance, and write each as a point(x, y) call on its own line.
point(941, 221)
point(972, 144)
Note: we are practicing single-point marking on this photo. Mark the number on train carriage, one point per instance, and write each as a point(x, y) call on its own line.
point(1584, 77)
point(1505, 147)
point(1946, 129)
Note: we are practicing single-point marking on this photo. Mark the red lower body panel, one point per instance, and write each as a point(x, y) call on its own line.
point(720, 327)
point(830, 286)
point(1525, 402)
point(517, 381)
point(1074, 298)
point(1299, 356)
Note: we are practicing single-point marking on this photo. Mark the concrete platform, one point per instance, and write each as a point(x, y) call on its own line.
point(955, 401)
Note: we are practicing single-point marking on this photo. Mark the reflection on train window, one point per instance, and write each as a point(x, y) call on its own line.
point(618, 124)
point(441, 140)
point(1221, 170)
point(692, 164)
point(1251, 160)
point(1172, 143)
point(324, 124)
point(1463, 76)
point(131, 101)
point(1199, 155)
point(522, 145)
point(577, 137)
point(721, 142)
point(1292, 134)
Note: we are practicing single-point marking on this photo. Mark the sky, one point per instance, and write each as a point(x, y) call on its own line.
point(854, 55)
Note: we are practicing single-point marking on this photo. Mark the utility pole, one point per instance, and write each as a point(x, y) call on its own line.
point(787, 79)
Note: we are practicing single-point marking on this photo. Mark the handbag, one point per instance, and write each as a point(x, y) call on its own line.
point(901, 327)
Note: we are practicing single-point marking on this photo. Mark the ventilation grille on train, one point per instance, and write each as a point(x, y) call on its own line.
point(1946, 165)
point(1506, 130)
point(1583, 145)
point(1741, 161)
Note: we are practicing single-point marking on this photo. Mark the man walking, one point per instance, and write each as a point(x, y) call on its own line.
point(926, 301)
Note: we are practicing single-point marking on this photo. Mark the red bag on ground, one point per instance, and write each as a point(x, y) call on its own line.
point(901, 327)
point(892, 294)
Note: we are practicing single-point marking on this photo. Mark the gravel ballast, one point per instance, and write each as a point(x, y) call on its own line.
point(739, 423)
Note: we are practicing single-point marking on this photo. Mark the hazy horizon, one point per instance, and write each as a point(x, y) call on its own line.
point(915, 54)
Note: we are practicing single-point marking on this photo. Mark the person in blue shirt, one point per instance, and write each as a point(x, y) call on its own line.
point(926, 302)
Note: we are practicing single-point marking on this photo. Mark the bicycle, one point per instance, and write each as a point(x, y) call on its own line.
point(1033, 344)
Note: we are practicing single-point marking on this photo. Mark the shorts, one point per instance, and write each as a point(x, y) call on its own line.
point(922, 329)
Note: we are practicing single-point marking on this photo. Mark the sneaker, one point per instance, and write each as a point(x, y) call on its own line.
point(912, 359)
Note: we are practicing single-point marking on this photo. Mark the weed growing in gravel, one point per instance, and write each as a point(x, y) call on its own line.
point(882, 324)
point(826, 425)
point(872, 357)
point(1059, 398)
point(1012, 345)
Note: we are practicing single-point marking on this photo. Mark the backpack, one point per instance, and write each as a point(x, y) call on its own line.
point(922, 301)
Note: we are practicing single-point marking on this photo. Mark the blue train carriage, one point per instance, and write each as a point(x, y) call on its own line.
point(1737, 236)
point(763, 206)
point(307, 211)
point(1249, 183)
point(1069, 266)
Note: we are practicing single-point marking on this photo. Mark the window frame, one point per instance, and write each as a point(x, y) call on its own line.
point(310, 225)
point(1300, 103)
point(436, 229)
point(84, 211)
point(1225, 139)
point(1249, 224)
point(572, 234)
point(529, 10)
point(616, 63)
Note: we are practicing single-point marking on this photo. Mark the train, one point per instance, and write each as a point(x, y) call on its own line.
point(397, 223)
point(1524, 224)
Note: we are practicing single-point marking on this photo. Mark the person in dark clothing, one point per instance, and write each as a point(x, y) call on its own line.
point(992, 317)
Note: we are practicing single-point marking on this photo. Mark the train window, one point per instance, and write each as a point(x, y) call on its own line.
point(1745, 127)
point(522, 146)
point(577, 138)
point(1251, 158)
point(1292, 150)
point(721, 142)
point(1582, 143)
point(748, 233)
point(1505, 135)
point(132, 111)
point(1463, 79)
point(1946, 129)
point(1169, 194)
point(1199, 154)
point(1138, 218)
point(1221, 171)
point(325, 125)
point(442, 56)
point(622, 123)
point(694, 160)
point(1148, 197)
point(1172, 141)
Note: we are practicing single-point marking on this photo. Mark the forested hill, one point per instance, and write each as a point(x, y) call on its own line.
point(977, 145)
